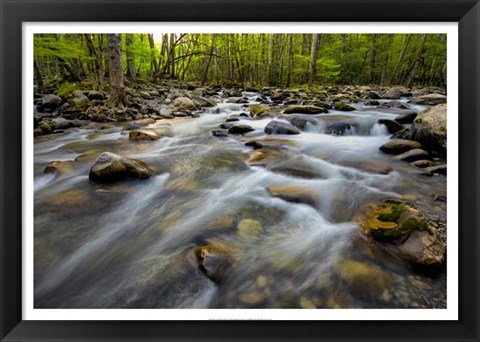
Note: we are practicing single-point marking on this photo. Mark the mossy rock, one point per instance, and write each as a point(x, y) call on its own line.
point(259, 109)
point(110, 167)
point(406, 228)
point(143, 135)
point(343, 106)
point(391, 220)
point(304, 110)
point(363, 280)
point(249, 229)
point(59, 167)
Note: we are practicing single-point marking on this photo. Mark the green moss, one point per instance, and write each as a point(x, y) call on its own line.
point(397, 210)
point(412, 224)
point(65, 90)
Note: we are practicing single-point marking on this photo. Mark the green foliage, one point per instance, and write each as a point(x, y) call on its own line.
point(65, 90)
point(249, 59)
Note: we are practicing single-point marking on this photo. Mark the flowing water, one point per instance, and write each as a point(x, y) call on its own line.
point(132, 243)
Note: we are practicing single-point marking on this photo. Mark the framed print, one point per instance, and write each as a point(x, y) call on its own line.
point(207, 170)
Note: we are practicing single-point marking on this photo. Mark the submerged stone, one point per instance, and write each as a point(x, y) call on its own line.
point(110, 166)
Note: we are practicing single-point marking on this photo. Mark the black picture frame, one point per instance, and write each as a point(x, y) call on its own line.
point(14, 12)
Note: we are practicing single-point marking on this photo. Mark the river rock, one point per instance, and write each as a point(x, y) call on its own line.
point(110, 166)
point(184, 103)
point(304, 110)
point(406, 118)
point(300, 120)
point(424, 248)
point(45, 127)
point(219, 133)
point(80, 102)
point(393, 94)
point(280, 127)
point(397, 146)
point(215, 259)
point(143, 135)
point(204, 102)
point(294, 194)
point(249, 229)
point(392, 126)
point(422, 163)
point(412, 155)
point(337, 128)
point(363, 280)
point(59, 167)
point(95, 95)
point(258, 110)
point(440, 169)
point(61, 123)
point(51, 101)
point(395, 104)
point(343, 106)
point(429, 99)
point(406, 228)
point(240, 129)
point(232, 119)
point(430, 129)
point(255, 144)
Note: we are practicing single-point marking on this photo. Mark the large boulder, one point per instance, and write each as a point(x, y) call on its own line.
point(304, 110)
point(406, 118)
point(110, 167)
point(95, 95)
point(240, 129)
point(393, 94)
point(204, 102)
point(280, 127)
point(397, 146)
point(430, 129)
point(51, 101)
point(429, 100)
point(184, 103)
point(406, 228)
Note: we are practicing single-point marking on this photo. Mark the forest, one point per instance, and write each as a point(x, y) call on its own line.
point(246, 59)
point(240, 170)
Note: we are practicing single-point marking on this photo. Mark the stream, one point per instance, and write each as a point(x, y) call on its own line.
point(134, 243)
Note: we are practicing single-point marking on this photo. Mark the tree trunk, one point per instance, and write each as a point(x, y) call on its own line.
point(312, 69)
point(371, 66)
point(117, 84)
point(387, 58)
point(290, 59)
point(38, 77)
point(416, 63)
point(205, 74)
point(130, 63)
point(154, 63)
point(400, 58)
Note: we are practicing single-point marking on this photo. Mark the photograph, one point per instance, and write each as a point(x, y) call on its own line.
point(239, 170)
